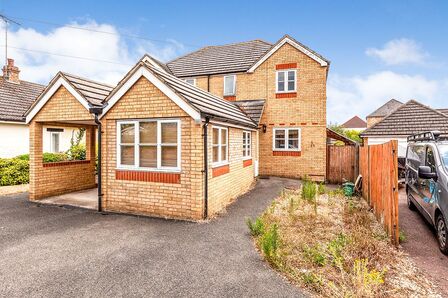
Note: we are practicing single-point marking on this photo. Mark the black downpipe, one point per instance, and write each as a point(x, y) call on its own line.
point(205, 135)
point(100, 192)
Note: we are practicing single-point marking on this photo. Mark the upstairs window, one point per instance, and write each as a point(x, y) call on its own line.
point(247, 144)
point(287, 139)
point(149, 144)
point(219, 145)
point(286, 81)
point(191, 81)
point(229, 85)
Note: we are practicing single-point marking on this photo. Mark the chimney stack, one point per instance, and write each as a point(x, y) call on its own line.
point(11, 72)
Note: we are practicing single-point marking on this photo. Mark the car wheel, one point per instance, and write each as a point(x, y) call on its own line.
point(411, 204)
point(442, 234)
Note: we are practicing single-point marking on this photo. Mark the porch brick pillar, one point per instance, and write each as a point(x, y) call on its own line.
point(36, 158)
point(90, 143)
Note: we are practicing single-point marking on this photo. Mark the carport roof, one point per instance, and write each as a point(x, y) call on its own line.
point(410, 118)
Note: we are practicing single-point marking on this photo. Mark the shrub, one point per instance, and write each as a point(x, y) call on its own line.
point(269, 242)
point(76, 152)
point(366, 280)
point(54, 157)
point(321, 188)
point(315, 255)
point(23, 157)
point(256, 228)
point(308, 190)
point(14, 171)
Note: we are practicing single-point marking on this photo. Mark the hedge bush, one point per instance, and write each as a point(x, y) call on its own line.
point(14, 171)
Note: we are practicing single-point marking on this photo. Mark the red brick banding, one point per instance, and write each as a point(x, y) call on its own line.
point(303, 123)
point(173, 178)
point(286, 95)
point(286, 66)
point(315, 123)
point(247, 162)
point(64, 163)
point(230, 97)
point(220, 170)
point(286, 153)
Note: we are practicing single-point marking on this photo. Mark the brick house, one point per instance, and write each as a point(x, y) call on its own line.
point(183, 139)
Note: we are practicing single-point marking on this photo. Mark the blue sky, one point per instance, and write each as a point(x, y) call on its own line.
point(378, 49)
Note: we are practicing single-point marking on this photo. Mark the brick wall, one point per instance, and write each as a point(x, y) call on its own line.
point(305, 108)
point(149, 197)
point(237, 180)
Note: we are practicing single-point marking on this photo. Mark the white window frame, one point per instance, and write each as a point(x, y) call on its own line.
point(247, 153)
point(220, 162)
point(58, 133)
point(234, 86)
point(190, 79)
point(287, 129)
point(137, 144)
point(286, 80)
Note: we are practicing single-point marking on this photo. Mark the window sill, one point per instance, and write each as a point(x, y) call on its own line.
point(175, 171)
point(218, 165)
point(247, 162)
point(286, 153)
point(219, 171)
point(230, 97)
point(291, 94)
point(147, 176)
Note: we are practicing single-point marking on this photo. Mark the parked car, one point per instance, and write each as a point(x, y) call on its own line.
point(427, 181)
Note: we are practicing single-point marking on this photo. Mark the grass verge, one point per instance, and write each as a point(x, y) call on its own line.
point(333, 246)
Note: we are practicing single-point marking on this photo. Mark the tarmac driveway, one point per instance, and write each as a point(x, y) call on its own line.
point(52, 252)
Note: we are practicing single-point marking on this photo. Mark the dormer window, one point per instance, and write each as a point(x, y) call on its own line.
point(229, 85)
point(191, 81)
point(286, 81)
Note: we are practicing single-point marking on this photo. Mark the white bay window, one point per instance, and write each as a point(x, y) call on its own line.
point(149, 144)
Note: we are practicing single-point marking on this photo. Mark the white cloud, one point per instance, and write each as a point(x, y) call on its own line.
point(362, 95)
point(40, 67)
point(399, 51)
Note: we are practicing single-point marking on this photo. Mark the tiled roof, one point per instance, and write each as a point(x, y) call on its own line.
point(93, 92)
point(205, 102)
point(229, 58)
point(355, 122)
point(252, 108)
point(445, 111)
point(15, 99)
point(386, 108)
point(411, 118)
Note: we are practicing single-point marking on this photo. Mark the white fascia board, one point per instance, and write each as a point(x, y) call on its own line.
point(45, 97)
point(294, 44)
point(142, 71)
point(12, 122)
point(152, 62)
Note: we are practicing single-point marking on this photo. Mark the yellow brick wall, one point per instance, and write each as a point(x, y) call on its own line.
point(63, 178)
point(62, 106)
point(307, 111)
point(184, 200)
point(225, 188)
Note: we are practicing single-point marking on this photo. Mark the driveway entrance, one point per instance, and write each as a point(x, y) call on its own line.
point(47, 251)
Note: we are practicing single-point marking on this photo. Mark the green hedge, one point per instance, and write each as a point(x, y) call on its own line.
point(15, 170)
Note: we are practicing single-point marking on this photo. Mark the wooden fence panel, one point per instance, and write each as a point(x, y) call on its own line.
point(341, 161)
point(378, 166)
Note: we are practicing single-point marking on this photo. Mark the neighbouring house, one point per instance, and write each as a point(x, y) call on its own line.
point(16, 96)
point(355, 123)
point(382, 112)
point(409, 118)
point(183, 139)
